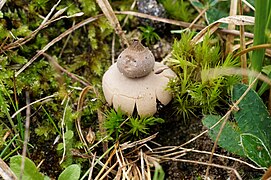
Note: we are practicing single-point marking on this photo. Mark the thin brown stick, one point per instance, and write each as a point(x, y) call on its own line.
point(181, 23)
point(92, 166)
point(224, 123)
point(26, 133)
point(230, 38)
point(5, 171)
point(197, 18)
point(156, 153)
point(252, 48)
point(207, 164)
point(113, 48)
point(106, 163)
point(44, 24)
point(79, 111)
point(55, 40)
point(142, 165)
point(113, 20)
point(243, 45)
point(57, 66)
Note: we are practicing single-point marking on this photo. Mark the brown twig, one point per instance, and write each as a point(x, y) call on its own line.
point(26, 133)
point(57, 66)
point(230, 38)
point(158, 151)
point(5, 171)
point(55, 40)
point(233, 108)
point(197, 18)
point(243, 45)
point(46, 22)
point(39, 100)
point(79, 111)
point(92, 166)
point(207, 164)
point(110, 15)
point(252, 48)
point(181, 23)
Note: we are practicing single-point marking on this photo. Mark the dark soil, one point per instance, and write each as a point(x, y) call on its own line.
point(174, 132)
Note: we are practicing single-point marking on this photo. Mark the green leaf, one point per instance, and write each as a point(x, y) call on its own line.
point(255, 150)
point(72, 172)
point(252, 116)
point(30, 169)
point(230, 136)
point(251, 127)
point(68, 135)
point(197, 4)
point(60, 146)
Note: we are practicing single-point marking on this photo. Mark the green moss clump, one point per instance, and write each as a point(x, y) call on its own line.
point(192, 95)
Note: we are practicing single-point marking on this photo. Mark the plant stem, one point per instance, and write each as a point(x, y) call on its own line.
point(259, 35)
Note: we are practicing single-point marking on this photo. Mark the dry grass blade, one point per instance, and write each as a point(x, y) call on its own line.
point(159, 153)
point(225, 120)
point(216, 72)
point(128, 145)
point(230, 38)
point(45, 99)
point(239, 20)
point(110, 15)
point(5, 172)
point(92, 166)
point(210, 29)
point(108, 171)
point(2, 3)
point(180, 23)
point(142, 165)
point(122, 166)
point(50, 13)
point(63, 130)
point(26, 133)
point(58, 67)
point(252, 48)
point(79, 110)
point(243, 45)
point(106, 163)
point(248, 4)
point(55, 40)
point(207, 164)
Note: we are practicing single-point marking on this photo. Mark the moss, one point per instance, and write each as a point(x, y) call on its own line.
point(191, 94)
point(83, 53)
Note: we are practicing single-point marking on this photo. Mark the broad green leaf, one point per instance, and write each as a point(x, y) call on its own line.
point(252, 116)
point(72, 172)
point(30, 170)
point(230, 136)
point(197, 4)
point(255, 150)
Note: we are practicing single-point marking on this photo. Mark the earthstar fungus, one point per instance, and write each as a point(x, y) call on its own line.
point(137, 81)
